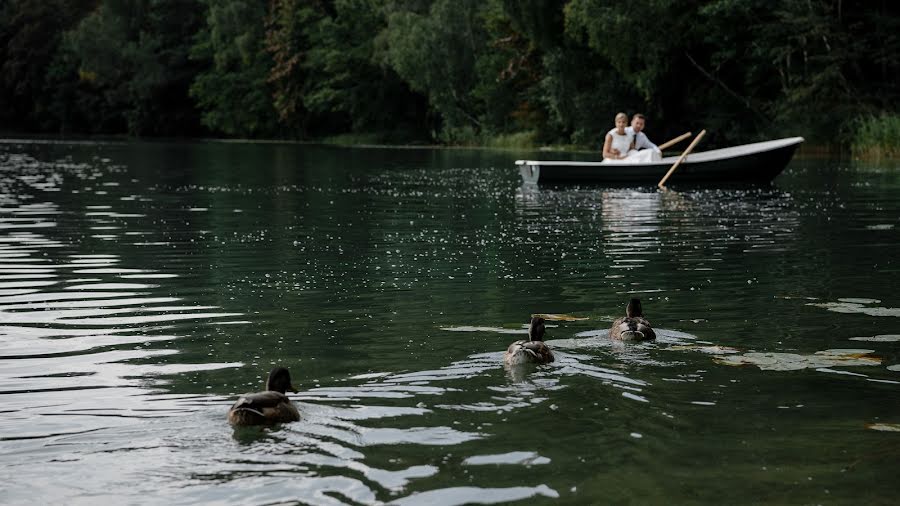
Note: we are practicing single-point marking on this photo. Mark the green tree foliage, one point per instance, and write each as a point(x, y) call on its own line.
point(746, 68)
point(568, 106)
point(836, 59)
point(287, 42)
point(457, 71)
point(348, 74)
point(447, 53)
point(233, 92)
point(330, 74)
point(30, 33)
point(133, 56)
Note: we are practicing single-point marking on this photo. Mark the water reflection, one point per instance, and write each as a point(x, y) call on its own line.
point(138, 300)
point(86, 351)
point(80, 351)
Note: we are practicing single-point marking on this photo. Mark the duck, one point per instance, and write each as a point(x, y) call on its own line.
point(269, 407)
point(633, 326)
point(533, 350)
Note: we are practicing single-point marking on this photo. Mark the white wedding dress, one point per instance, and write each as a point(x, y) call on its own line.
point(619, 142)
point(642, 156)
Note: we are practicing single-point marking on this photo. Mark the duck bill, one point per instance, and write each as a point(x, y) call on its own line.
point(293, 389)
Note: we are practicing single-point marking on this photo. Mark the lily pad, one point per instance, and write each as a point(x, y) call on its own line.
point(796, 362)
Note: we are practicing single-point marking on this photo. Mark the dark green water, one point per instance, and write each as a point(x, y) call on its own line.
point(144, 286)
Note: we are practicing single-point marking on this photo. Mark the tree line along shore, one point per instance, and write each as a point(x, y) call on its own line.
point(506, 73)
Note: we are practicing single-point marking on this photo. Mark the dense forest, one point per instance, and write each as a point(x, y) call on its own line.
point(447, 71)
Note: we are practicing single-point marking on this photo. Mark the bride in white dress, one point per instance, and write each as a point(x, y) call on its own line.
point(642, 156)
point(618, 141)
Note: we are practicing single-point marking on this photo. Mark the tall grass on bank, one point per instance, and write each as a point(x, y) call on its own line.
point(520, 140)
point(877, 136)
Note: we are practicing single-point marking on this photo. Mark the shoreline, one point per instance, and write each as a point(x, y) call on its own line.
point(805, 151)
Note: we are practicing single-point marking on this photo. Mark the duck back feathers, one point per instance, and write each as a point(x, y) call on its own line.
point(533, 350)
point(523, 352)
point(270, 406)
point(263, 408)
point(632, 327)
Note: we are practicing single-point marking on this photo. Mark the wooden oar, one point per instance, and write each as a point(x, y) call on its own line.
point(674, 141)
point(662, 182)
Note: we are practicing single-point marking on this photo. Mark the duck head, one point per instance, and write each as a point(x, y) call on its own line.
point(536, 329)
point(280, 381)
point(634, 310)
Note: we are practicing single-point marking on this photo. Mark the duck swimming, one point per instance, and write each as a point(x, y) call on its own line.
point(534, 350)
point(633, 327)
point(271, 406)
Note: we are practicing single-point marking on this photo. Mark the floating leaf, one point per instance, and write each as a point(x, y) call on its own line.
point(519, 458)
point(796, 362)
point(857, 306)
point(560, 317)
point(843, 353)
point(470, 328)
point(885, 427)
point(883, 338)
point(712, 350)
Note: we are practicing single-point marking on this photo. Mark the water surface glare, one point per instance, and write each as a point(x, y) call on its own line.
point(144, 286)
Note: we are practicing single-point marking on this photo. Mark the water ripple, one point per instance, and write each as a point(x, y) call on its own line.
point(138, 301)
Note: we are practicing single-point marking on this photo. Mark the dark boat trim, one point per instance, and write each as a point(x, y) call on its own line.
point(757, 162)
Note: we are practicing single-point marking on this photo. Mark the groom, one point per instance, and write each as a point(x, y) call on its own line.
point(640, 138)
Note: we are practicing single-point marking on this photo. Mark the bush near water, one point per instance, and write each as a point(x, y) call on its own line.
point(489, 72)
point(877, 136)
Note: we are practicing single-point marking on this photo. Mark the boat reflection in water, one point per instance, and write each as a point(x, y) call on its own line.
point(630, 227)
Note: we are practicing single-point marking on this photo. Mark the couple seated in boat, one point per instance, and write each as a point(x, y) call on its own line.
point(629, 144)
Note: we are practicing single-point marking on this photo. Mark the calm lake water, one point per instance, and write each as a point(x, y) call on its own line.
point(143, 286)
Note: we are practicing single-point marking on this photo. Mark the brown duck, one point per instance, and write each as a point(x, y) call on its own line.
point(271, 406)
point(534, 350)
point(633, 327)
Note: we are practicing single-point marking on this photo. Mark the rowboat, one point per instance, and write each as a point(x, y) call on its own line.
point(757, 162)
